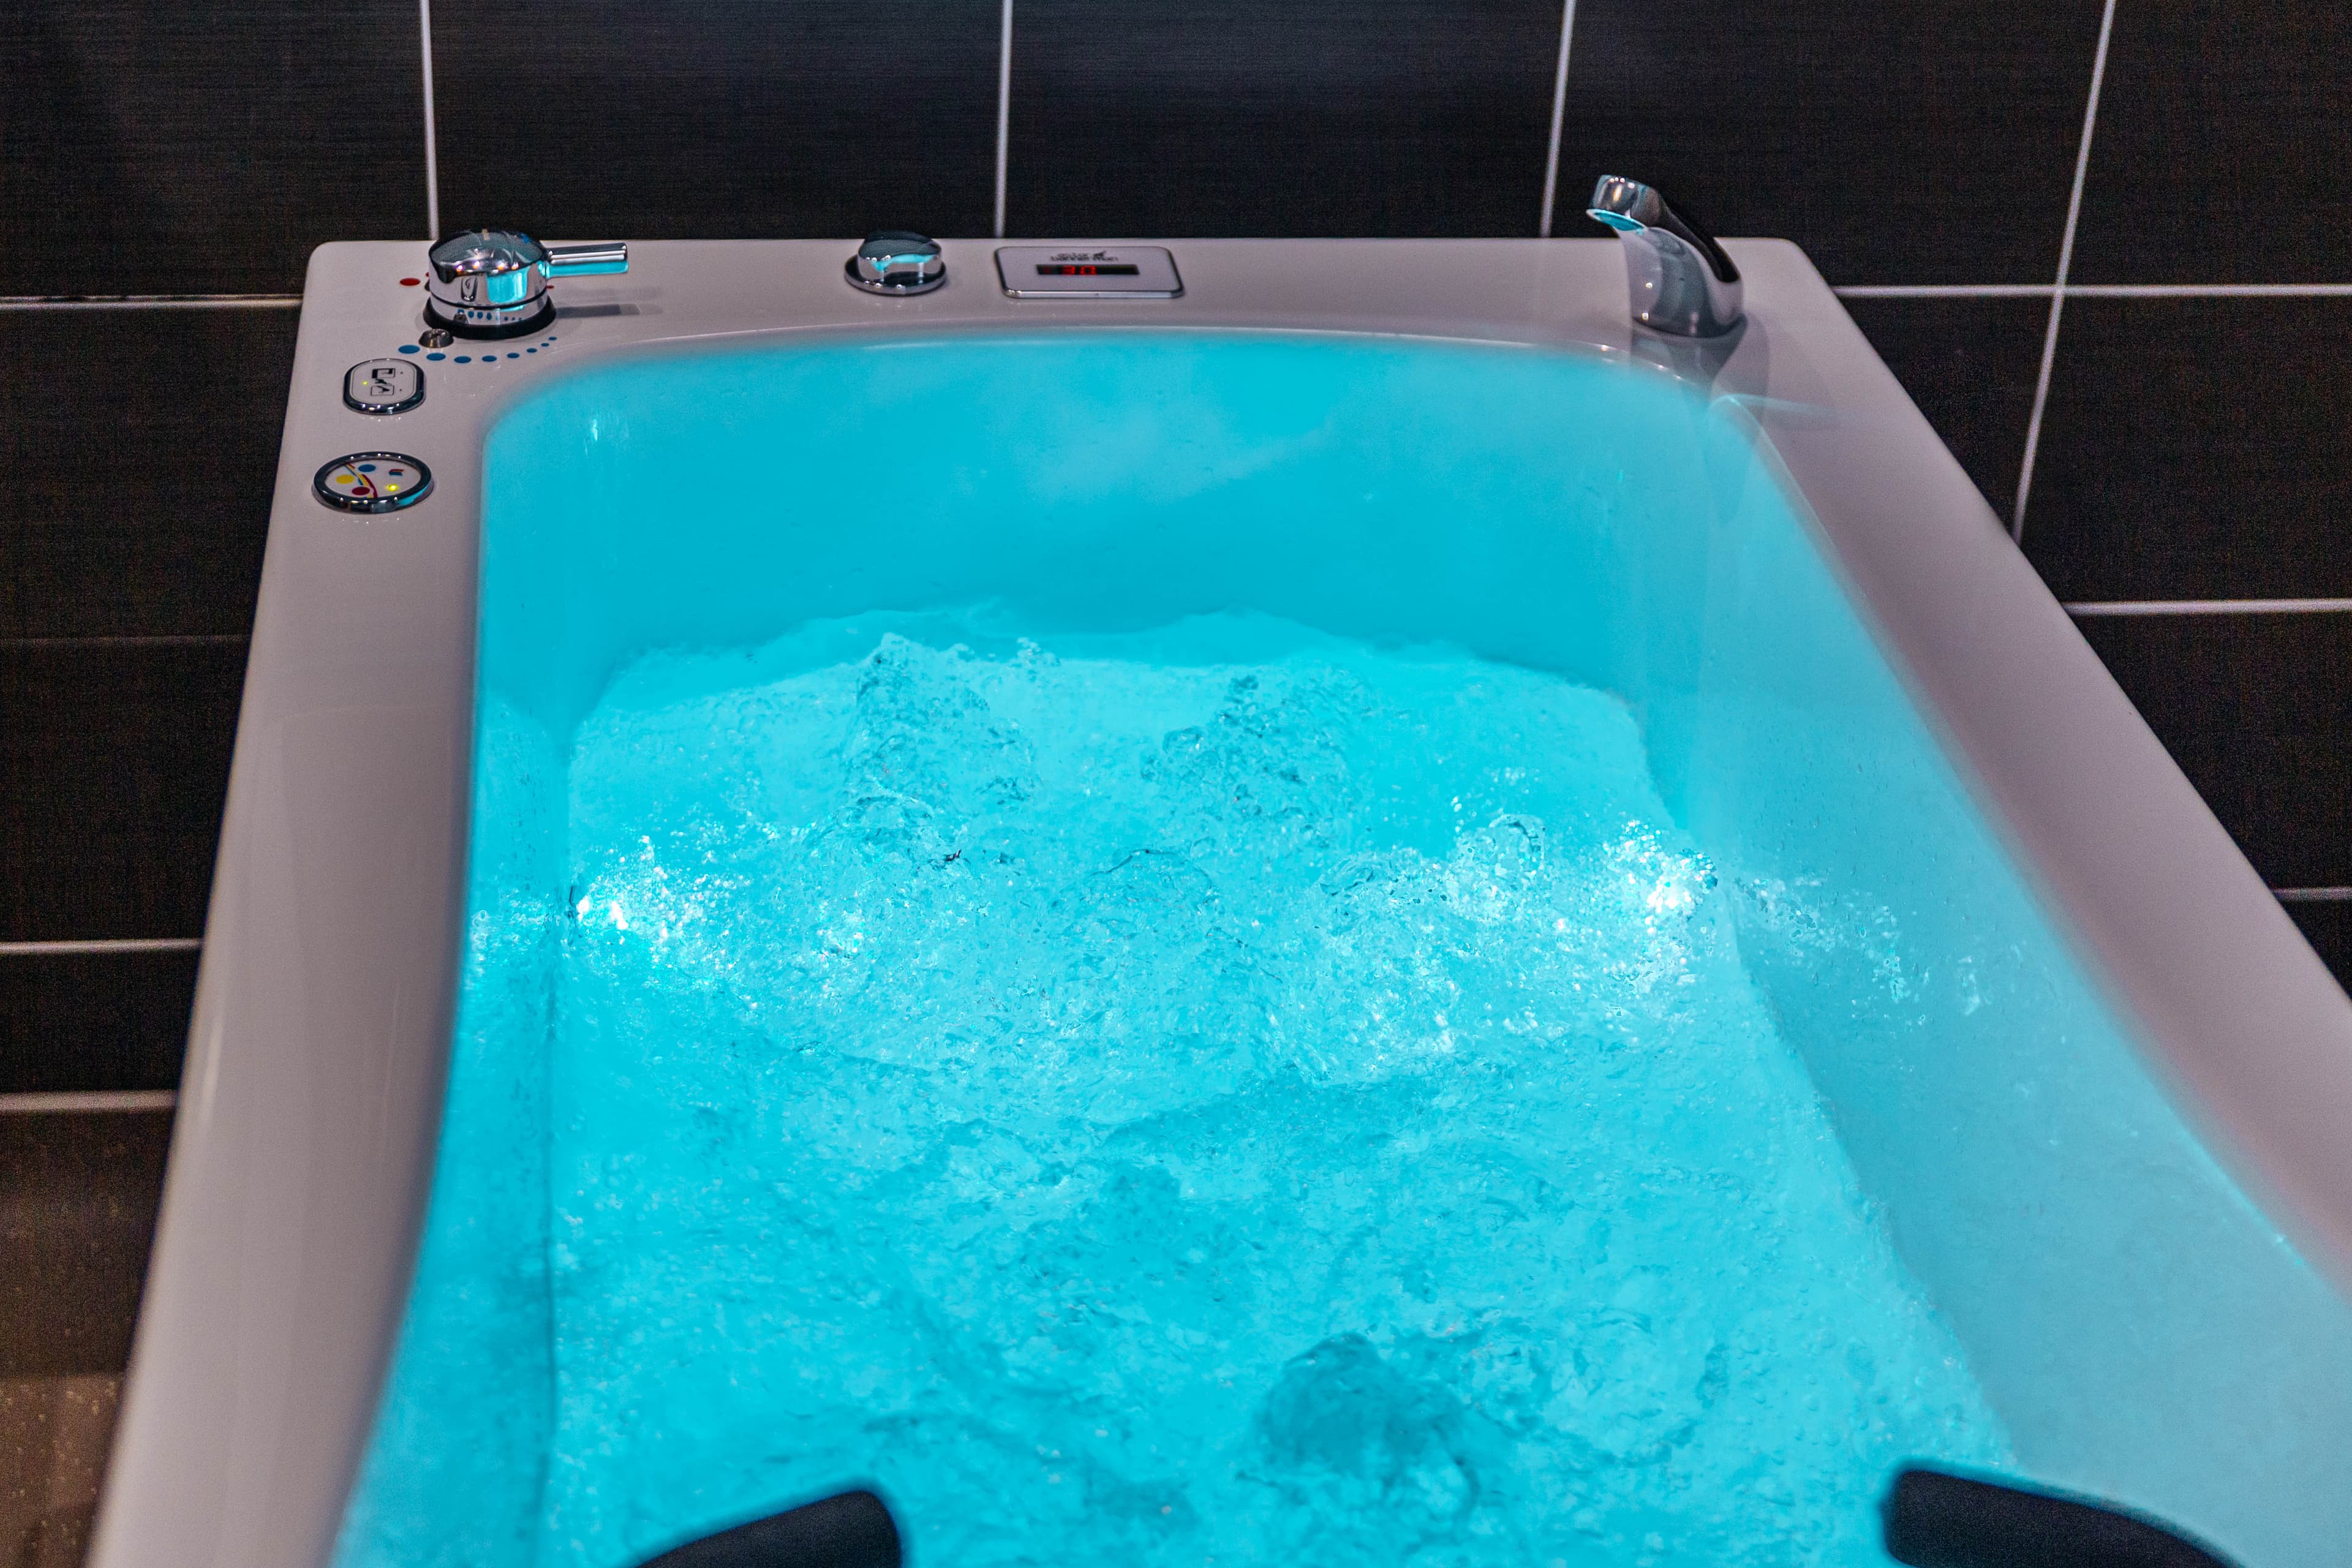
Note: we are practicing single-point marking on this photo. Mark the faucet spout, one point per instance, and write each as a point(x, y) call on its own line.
point(1679, 279)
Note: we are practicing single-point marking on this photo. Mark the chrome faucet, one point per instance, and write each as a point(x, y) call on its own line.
point(1679, 277)
point(492, 282)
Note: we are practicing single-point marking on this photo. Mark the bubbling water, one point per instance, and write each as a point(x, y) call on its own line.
point(1220, 1096)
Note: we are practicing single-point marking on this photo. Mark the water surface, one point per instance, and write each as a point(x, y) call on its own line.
point(1218, 1095)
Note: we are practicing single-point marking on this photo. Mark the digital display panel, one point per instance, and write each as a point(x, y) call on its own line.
point(1067, 271)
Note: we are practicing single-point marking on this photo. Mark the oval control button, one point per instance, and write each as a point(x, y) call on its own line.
point(384, 386)
point(373, 481)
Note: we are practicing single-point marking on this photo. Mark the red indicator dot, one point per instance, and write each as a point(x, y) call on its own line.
point(410, 282)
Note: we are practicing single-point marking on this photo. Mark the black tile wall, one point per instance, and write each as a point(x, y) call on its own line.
point(113, 764)
point(1228, 117)
point(1927, 142)
point(2225, 147)
point(1970, 365)
point(93, 1021)
point(2195, 448)
point(2191, 449)
point(78, 1200)
point(2257, 710)
point(166, 149)
point(2328, 927)
point(87, 547)
point(715, 120)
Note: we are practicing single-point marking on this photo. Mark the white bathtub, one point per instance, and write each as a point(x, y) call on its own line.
point(2050, 1167)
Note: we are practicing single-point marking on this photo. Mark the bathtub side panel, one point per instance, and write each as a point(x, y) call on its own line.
point(309, 1101)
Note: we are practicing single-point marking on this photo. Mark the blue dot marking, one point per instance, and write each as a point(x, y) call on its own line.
point(367, 468)
point(408, 348)
point(464, 359)
point(437, 355)
point(530, 351)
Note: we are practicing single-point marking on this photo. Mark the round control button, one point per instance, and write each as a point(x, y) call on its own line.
point(384, 385)
point(373, 481)
point(896, 261)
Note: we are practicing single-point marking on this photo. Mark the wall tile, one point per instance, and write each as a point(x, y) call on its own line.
point(1225, 117)
point(89, 545)
point(2225, 147)
point(113, 766)
point(94, 1021)
point(2328, 927)
point(710, 120)
point(1932, 142)
point(1970, 365)
point(2257, 710)
point(197, 149)
point(2195, 449)
point(78, 1199)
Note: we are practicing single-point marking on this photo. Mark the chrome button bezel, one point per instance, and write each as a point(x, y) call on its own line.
point(370, 500)
point(387, 385)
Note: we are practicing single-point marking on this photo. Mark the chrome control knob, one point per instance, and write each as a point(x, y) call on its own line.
point(893, 261)
point(493, 282)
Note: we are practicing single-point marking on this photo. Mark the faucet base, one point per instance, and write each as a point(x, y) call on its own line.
point(529, 322)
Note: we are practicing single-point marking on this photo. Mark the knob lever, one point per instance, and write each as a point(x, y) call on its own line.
point(587, 260)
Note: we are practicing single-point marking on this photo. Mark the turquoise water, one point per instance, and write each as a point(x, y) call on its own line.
point(1221, 1095)
point(1419, 992)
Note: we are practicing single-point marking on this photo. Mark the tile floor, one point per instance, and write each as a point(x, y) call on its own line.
point(53, 1439)
point(78, 1195)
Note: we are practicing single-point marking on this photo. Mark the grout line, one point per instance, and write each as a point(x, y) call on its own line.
point(200, 640)
point(1004, 109)
point(2314, 895)
point(1946, 290)
point(101, 946)
point(149, 301)
point(431, 137)
point(1559, 115)
point(2209, 290)
point(2214, 608)
point(87, 1100)
point(2095, 291)
point(2065, 260)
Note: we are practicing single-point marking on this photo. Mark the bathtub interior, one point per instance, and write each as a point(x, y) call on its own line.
point(2140, 1330)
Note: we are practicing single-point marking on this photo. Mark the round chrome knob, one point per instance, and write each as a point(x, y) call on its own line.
point(488, 283)
point(893, 261)
point(492, 282)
